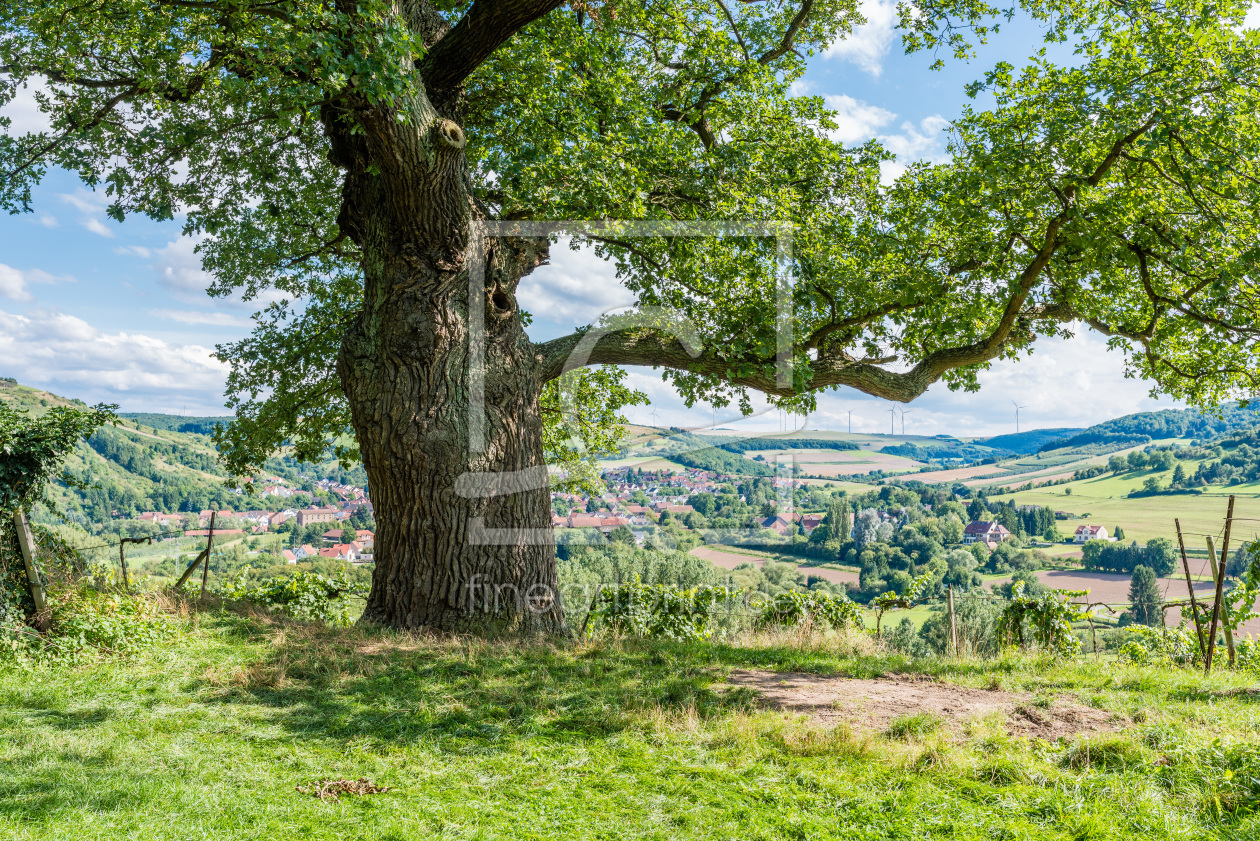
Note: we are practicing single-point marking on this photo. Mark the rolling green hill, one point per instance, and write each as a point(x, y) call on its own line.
point(1028, 442)
point(153, 462)
point(1142, 427)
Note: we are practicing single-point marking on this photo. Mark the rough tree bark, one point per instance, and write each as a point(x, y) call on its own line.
point(464, 530)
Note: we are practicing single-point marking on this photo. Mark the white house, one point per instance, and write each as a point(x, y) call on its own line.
point(1084, 534)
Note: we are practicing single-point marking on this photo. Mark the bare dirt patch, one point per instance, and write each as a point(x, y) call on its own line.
point(873, 705)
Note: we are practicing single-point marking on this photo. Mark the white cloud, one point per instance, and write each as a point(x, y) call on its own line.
point(92, 206)
point(133, 251)
point(575, 289)
point(96, 226)
point(868, 43)
point(925, 142)
point(23, 112)
point(1252, 20)
point(14, 283)
point(921, 141)
point(179, 269)
point(1073, 382)
point(48, 221)
point(857, 121)
point(84, 200)
point(217, 319)
point(71, 357)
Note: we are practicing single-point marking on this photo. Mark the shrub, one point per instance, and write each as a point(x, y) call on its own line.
point(302, 595)
point(659, 610)
point(814, 607)
point(85, 622)
point(1049, 616)
point(1145, 646)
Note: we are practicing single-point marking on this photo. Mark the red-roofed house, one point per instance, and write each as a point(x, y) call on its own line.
point(342, 552)
point(985, 531)
point(781, 523)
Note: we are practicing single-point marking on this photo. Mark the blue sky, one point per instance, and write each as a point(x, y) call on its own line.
point(98, 310)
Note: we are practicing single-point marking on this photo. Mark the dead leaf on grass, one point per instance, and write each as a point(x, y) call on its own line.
point(333, 789)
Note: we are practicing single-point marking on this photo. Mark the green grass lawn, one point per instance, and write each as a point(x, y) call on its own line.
point(207, 738)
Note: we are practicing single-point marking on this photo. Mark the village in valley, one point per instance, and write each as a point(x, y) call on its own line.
point(858, 515)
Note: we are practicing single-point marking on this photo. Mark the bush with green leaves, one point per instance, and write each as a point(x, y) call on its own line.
point(915, 593)
point(32, 453)
point(1247, 652)
point(816, 608)
point(87, 622)
point(1048, 616)
point(1147, 646)
point(660, 610)
point(976, 618)
point(303, 595)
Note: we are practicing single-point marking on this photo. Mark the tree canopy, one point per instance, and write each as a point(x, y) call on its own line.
point(1114, 190)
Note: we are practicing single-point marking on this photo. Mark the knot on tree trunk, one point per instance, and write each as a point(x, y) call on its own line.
point(450, 135)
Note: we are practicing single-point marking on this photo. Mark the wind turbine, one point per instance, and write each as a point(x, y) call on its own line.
point(903, 421)
point(850, 421)
point(892, 421)
point(654, 423)
point(1017, 408)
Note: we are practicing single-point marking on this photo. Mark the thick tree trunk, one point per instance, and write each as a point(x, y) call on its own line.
point(463, 539)
point(457, 477)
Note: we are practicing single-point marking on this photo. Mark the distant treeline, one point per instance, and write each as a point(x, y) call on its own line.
point(1143, 427)
point(1028, 442)
point(920, 452)
point(745, 445)
point(1158, 554)
point(176, 423)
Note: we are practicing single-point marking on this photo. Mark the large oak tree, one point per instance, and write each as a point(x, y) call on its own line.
point(336, 160)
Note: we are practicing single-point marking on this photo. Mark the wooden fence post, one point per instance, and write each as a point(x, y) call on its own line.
point(1220, 588)
point(122, 562)
point(205, 567)
point(953, 624)
point(203, 556)
point(1229, 635)
point(27, 541)
point(1194, 604)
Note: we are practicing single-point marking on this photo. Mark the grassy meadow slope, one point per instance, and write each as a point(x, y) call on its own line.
point(1104, 499)
point(216, 734)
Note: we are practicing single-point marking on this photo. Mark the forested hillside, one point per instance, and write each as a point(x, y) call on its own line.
point(153, 462)
point(176, 423)
point(1142, 427)
point(1028, 442)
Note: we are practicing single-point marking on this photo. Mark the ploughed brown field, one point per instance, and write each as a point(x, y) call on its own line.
point(730, 560)
point(1114, 587)
point(960, 473)
point(1022, 479)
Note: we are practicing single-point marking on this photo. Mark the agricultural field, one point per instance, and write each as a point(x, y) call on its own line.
point(729, 558)
point(957, 474)
point(829, 463)
point(1105, 499)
